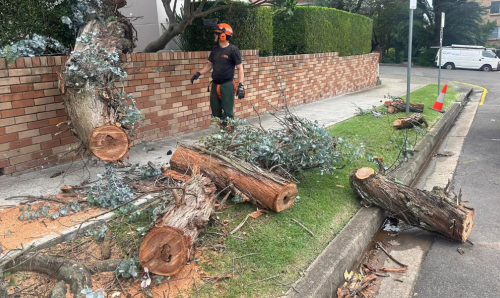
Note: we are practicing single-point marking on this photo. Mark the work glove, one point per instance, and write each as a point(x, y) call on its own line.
point(241, 91)
point(195, 77)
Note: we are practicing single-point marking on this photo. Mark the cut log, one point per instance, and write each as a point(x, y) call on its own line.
point(420, 208)
point(400, 106)
point(171, 242)
point(410, 122)
point(250, 182)
point(90, 97)
point(109, 143)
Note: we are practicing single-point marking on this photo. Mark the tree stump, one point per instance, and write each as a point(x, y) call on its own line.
point(410, 122)
point(426, 210)
point(252, 183)
point(170, 244)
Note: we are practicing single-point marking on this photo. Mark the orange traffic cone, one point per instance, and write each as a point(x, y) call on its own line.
point(438, 105)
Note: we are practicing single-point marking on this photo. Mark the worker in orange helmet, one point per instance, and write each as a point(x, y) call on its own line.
point(223, 59)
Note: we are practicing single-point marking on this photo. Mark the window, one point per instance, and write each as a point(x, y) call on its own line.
point(489, 54)
point(494, 34)
point(495, 7)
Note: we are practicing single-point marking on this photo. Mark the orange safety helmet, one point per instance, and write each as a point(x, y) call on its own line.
point(224, 30)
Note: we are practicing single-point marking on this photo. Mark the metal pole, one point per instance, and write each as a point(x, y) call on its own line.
point(440, 54)
point(409, 66)
point(440, 51)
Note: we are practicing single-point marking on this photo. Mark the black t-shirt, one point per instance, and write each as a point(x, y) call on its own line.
point(224, 60)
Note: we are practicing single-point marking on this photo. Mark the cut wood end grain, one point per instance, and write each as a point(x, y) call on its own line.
point(286, 197)
point(364, 173)
point(172, 255)
point(468, 224)
point(109, 143)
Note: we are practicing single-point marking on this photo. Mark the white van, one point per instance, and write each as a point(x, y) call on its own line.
point(469, 57)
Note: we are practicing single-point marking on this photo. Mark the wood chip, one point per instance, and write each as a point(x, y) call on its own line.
point(255, 214)
point(395, 270)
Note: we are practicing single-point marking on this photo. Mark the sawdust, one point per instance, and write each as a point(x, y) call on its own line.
point(87, 251)
point(17, 233)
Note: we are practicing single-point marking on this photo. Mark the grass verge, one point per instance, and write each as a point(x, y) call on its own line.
point(281, 250)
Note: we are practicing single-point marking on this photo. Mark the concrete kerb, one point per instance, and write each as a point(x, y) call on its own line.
point(325, 274)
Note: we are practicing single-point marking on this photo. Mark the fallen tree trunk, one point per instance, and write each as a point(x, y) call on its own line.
point(89, 78)
point(170, 244)
point(426, 210)
point(250, 182)
point(400, 106)
point(410, 122)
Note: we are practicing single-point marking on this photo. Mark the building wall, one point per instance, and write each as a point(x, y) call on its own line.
point(31, 104)
point(150, 17)
point(494, 16)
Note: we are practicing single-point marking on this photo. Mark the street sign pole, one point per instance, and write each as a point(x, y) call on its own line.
point(440, 51)
point(413, 5)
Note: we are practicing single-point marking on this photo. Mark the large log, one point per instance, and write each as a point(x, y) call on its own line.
point(92, 100)
point(252, 183)
point(424, 209)
point(169, 245)
point(410, 122)
point(400, 106)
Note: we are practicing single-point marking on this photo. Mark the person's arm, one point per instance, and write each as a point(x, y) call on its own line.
point(204, 70)
point(207, 68)
point(241, 75)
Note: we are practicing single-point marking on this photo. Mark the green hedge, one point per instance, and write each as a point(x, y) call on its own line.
point(253, 29)
point(314, 29)
point(24, 18)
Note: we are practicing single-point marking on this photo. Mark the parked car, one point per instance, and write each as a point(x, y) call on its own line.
point(468, 57)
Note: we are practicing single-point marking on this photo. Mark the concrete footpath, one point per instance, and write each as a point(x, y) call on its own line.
point(327, 112)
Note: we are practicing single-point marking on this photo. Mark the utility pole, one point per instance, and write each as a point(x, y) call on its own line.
point(413, 5)
point(440, 51)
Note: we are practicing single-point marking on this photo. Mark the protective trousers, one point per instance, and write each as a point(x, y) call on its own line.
point(222, 100)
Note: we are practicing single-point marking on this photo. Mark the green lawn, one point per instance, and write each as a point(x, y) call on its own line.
point(326, 204)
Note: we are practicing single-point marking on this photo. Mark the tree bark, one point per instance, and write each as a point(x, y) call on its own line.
point(427, 210)
point(3, 287)
point(171, 242)
point(400, 106)
point(76, 275)
point(252, 183)
point(410, 122)
point(73, 273)
point(59, 290)
point(91, 102)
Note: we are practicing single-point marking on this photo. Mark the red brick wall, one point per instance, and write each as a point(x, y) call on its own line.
point(31, 105)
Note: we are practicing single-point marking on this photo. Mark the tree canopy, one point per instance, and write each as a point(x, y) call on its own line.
point(464, 21)
point(23, 19)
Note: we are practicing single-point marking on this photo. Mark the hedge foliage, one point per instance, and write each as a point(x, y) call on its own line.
point(253, 29)
point(23, 19)
point(314, 29)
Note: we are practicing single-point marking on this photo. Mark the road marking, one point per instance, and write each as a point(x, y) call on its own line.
point(485, 91)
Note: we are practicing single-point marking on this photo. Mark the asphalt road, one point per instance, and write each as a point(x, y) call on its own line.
point(446, 273)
